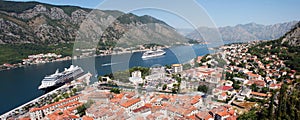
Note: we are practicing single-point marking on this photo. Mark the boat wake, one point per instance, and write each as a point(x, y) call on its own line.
point(110, 64)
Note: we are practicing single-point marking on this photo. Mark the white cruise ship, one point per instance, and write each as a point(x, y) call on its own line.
point(155, 53)
point(59, 78)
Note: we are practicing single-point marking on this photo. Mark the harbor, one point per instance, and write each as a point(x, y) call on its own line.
point(27, 79)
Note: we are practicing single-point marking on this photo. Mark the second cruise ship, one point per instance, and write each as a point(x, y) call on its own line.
point(155, 53)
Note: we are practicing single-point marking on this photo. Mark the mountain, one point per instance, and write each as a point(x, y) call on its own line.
point(246, 32)
point(293, 37)
point(184, 31)
point(39, 23)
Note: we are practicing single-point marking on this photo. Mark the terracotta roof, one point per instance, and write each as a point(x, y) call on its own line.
point(148, 105)
point(223, 113)
point(87, 118)
point(224, 94)
point(25, 118)
point(130, 102)
point(34, 109)
point(231, 118)
point(252, 74)
point(195, 99)
point(141, 109)
point(203, 115)
point(53, 104)
point(259, 94)
point(225, 88)
point(176, 65)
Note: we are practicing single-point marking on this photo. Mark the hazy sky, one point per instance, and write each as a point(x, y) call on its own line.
point(222, 12)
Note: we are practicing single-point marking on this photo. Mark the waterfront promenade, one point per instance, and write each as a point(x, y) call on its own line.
point(10, 113)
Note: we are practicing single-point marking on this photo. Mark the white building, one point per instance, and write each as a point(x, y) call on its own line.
point(177, 68)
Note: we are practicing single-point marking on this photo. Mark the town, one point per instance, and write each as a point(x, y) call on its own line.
point(221, 86)
point(35, 59)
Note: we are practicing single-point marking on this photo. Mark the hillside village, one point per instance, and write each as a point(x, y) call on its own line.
point(204, 90)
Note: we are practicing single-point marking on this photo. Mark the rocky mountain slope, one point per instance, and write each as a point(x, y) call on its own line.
point(247, 32)
point(33, 22)
point(293, 37)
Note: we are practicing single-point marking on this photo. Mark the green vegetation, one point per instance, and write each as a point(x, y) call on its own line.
point(164, 87)
point(191, 41)
point(285, 103)
point(14, 53)
point(202, 88)
point(131, 18)
point(81, 109)
point(115, 90)
point(290, 54)
point(123, 76)
point(288, 107)
point(18, 7)
point(151, 45)
point(145, 71)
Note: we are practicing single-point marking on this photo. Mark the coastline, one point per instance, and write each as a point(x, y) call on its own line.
point(67, 58)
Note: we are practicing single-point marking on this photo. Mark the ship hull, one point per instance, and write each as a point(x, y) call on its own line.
point(50, 88)
point(58, 79)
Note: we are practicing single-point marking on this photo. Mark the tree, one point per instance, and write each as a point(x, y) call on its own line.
point(164, 87)
point(264, 90)
point(251, 115)
point(202, 88)
point(174, 91)
point(115, 90)
point(254, 87)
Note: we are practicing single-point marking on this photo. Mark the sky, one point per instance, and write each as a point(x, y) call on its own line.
point(220, 12)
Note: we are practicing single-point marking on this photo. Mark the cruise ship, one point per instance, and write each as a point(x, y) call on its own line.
point(60, 78)
point(155, 53)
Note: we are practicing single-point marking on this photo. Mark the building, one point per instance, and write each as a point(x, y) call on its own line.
point(40, 113)
point(177, 68)
point(132, 104)
point(136, 74)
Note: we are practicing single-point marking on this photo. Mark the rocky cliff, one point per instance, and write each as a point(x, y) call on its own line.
point(33, 22)
point(293, 37)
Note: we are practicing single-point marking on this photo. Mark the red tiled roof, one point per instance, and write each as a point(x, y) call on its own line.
point(260, 94)
point(130, 102)
point(141, 109)
point(53, 104)
point(225, 88)
point(87, 118)
point(252, 74)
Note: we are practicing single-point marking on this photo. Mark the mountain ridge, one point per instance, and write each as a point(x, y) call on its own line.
point(293, 36)
point(247, 32)
point(34, 22)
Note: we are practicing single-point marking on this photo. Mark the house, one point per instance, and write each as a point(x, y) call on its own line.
point(204, 116)
point(246, 92)
point(223, 96)
point(40, 113)
point(136, 74)
point(253, 76)
point(242, 80)
point(177, 68)
point(132, 104)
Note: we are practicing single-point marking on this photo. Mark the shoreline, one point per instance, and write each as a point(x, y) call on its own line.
point(20, 65)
